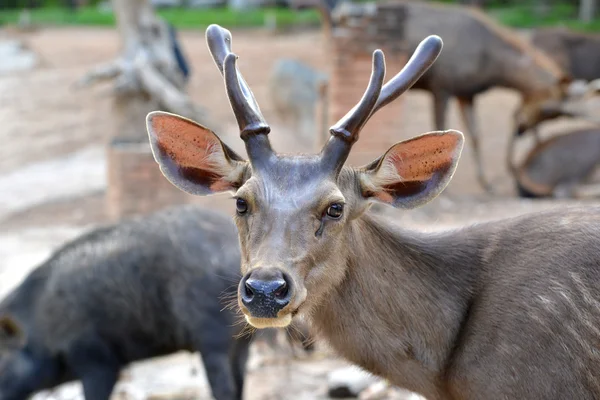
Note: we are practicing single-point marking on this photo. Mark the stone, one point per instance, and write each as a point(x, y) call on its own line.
point(15, 56)
point(348, 382)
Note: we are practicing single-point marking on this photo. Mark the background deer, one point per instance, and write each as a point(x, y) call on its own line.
point(501, 310)
point(497, 57)
point(575, 52)
point(295, 90)
point(560, 166)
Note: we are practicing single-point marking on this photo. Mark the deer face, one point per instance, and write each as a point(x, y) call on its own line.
point(291, 223)
point(566, 99)
point(537, 108)
point(294, 213)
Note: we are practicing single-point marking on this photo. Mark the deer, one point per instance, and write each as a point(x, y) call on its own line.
point(560, 166)
point(496, 310)
point(575, 52)
point(497, 56)
point(295, 89)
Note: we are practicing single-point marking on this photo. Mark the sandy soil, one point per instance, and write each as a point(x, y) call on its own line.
point(52, 174)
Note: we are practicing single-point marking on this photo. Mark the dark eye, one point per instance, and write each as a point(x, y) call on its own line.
point(335, 210)
point(241, 206)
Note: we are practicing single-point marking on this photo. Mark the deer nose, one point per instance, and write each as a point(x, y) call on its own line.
point(265, 292)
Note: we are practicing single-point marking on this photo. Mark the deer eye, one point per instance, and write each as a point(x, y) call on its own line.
point(335, 210)
point(241, 206)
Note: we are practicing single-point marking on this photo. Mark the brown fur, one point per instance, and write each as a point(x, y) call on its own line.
point(486, 312)
point(433, 314)
point(564, 160)
point(577, 53)
point(497, 57)
point(541, 60)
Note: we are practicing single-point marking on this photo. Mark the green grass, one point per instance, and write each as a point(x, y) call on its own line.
point(560, 14)
point(522, 14)
point(181, 18)
point(518, 16)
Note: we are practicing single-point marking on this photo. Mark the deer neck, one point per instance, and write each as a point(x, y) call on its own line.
point(401, 306)
point(528, 72)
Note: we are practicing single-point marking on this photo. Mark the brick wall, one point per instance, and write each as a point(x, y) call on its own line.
point(135, 183)
point(357, 33)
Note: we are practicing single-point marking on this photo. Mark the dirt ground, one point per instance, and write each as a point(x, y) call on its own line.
point(52, 173)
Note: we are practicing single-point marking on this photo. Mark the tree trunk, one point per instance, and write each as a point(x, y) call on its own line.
point(324, 117)
point(542, 8)
point(476, 3)
point(587, 10)
point(148, 75)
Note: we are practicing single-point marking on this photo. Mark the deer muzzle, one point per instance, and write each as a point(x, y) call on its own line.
point(264, 297)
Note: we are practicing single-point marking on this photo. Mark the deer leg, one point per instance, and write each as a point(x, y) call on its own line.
point(324, 128)
point(440, 106)
point(510, 151)
point(307, 132)
point(468, 116)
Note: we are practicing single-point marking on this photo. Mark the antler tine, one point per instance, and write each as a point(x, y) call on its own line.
point(253, 127)
point(424, 56)
point(219, 44)
point(345, 131)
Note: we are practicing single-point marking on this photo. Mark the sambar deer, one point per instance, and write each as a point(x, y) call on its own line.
point(296, 89)
point(504, 310)
point(561, 166)
point(575, 52)
point(497, 57)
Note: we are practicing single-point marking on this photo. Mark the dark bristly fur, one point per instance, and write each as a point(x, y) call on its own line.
point(143, 288)
point(508, 310)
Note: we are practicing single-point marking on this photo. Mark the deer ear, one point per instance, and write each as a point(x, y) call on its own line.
point(192, 157)
point(413, 172)
point(11, 334)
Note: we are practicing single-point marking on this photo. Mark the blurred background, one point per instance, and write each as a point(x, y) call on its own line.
point(78, 77)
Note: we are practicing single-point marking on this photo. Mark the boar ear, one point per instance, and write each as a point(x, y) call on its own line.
point(413, 172)
point(192, 157)
point(11, 334)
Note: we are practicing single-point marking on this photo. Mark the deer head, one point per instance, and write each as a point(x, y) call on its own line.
point(293, 212)
point(567, 99)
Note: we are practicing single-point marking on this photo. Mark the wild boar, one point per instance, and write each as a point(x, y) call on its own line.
point(146, 287)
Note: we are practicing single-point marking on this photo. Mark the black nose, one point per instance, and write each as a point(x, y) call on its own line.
point(265, 292)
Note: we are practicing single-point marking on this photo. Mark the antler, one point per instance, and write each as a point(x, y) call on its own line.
point(346, 131)
point(253, 127)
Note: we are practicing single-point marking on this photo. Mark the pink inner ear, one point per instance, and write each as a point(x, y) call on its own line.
point(186, 143)
point(419, 159)
point(190, 155)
